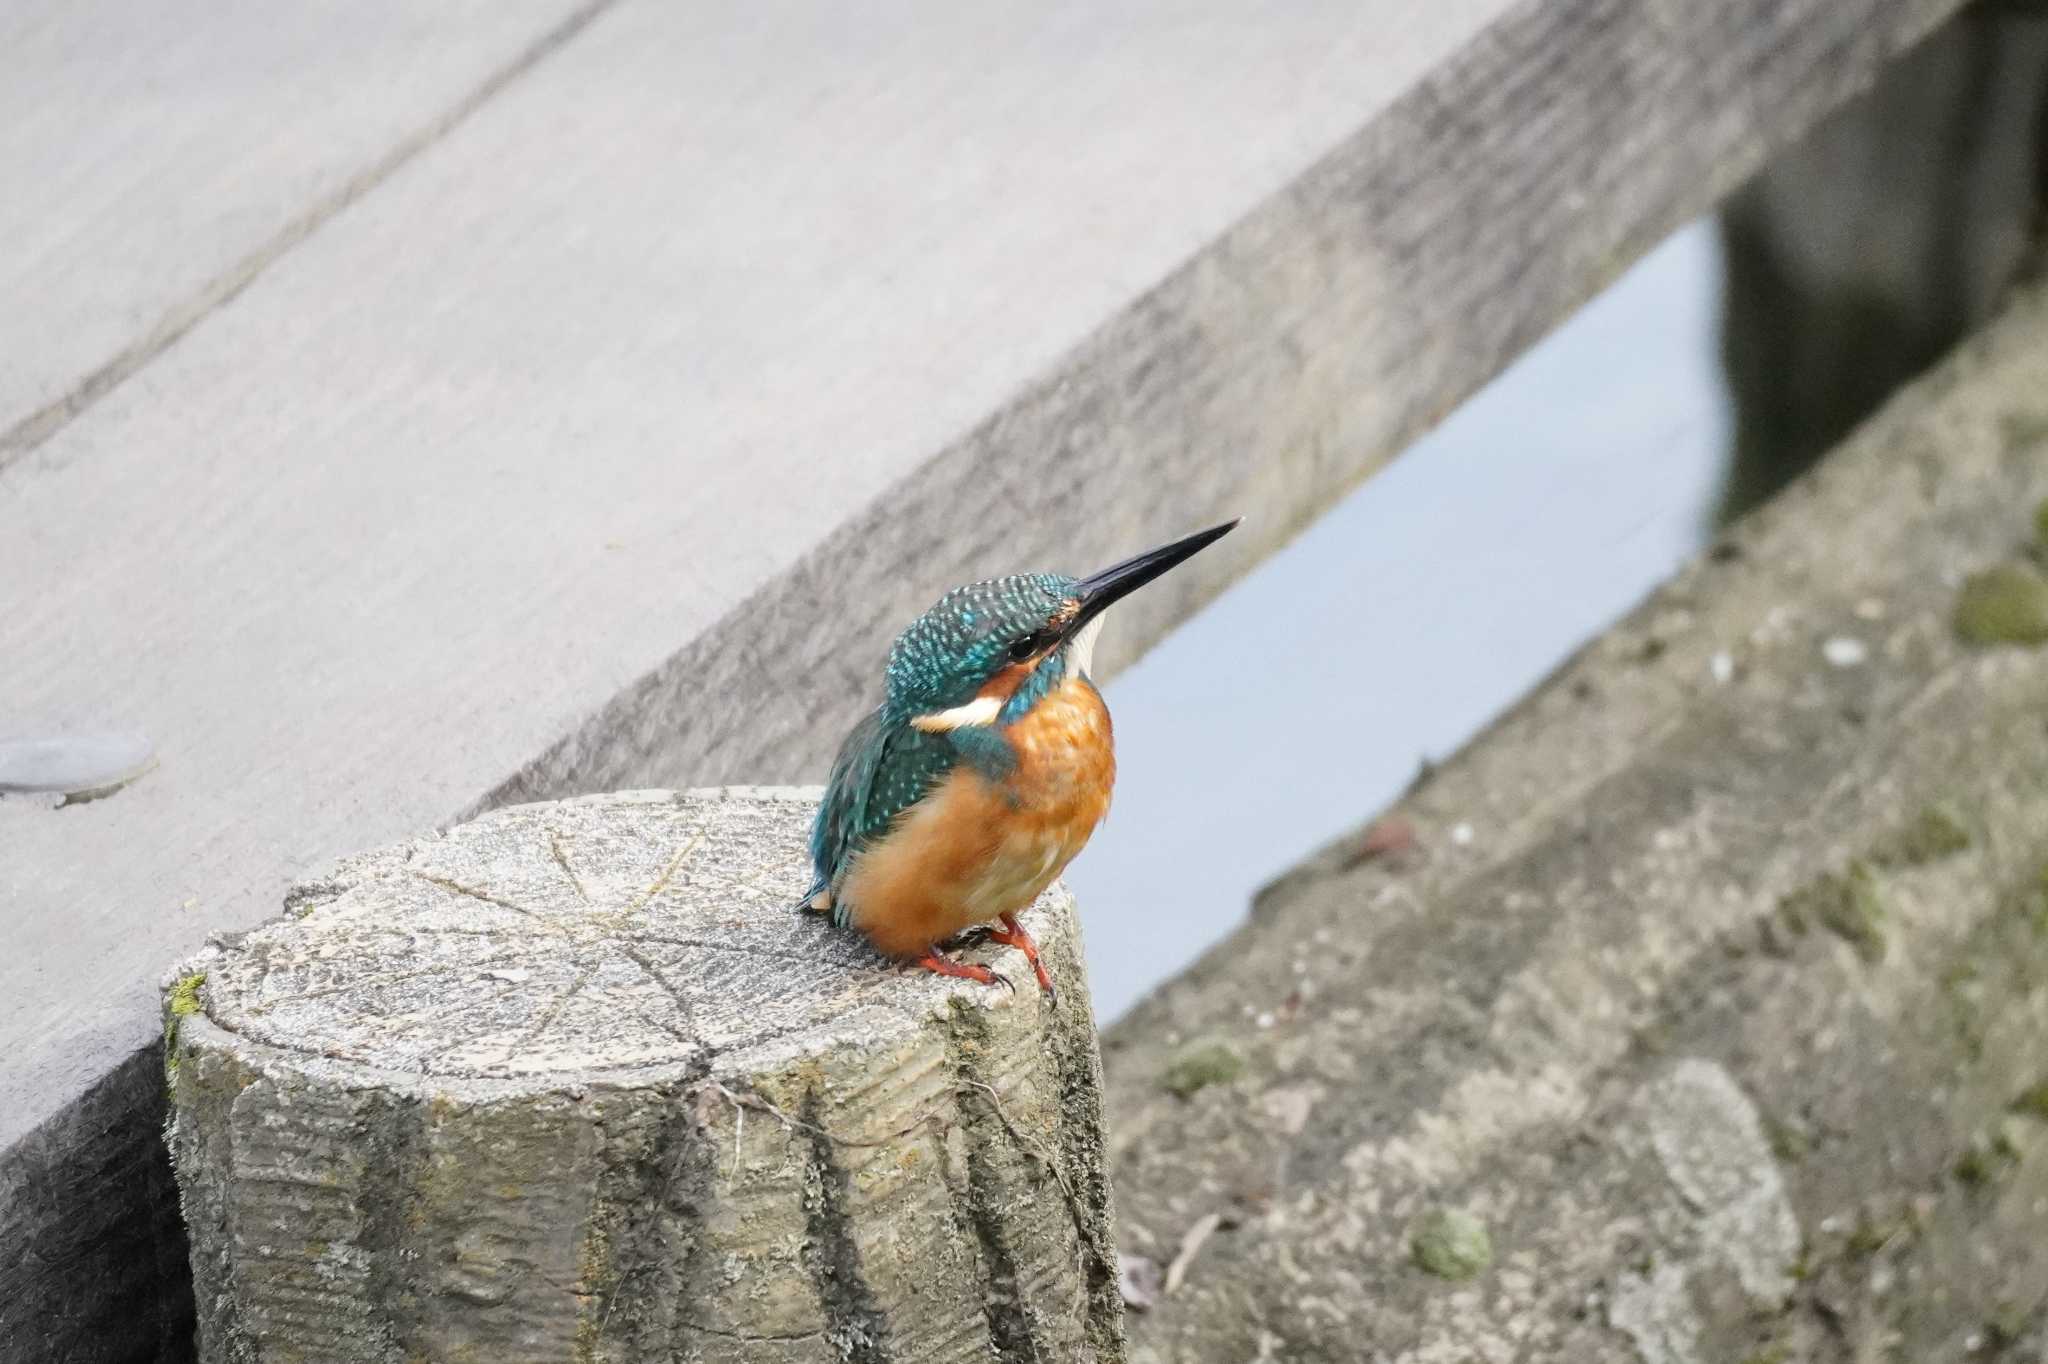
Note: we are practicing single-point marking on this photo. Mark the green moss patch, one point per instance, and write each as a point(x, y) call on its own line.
point(1789, 1142)
point(1936, 832)
point(2022, 429)
point(2004, 605)
point(1847, 905)
point(181, 1001)
point(2033, 1102)
point(1451, 1244)
point(2030, 905)
point(1989, 1157)
point(1200, 1065)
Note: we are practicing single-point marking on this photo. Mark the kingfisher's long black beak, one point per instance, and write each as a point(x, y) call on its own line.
point(1099, 591)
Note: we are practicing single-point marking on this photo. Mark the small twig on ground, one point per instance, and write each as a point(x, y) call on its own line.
point(1190, 1244)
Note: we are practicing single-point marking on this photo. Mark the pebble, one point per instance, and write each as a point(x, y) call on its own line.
point(1845, 651)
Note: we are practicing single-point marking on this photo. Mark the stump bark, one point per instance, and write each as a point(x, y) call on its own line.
point(573, 1081)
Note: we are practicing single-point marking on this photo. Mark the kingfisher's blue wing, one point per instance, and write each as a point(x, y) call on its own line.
point(882, 770)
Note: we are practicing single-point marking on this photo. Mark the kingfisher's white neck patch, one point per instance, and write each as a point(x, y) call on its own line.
point(1081, 650)
point(982, 710)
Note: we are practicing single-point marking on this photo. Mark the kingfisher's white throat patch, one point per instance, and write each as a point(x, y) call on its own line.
point(1081, 651)
point(982, 710)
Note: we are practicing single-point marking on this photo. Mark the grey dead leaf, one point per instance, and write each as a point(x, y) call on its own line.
point(73, 763)
point(1140, 1280)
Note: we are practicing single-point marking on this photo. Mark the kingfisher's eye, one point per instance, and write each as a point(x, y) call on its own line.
point(1027, 646)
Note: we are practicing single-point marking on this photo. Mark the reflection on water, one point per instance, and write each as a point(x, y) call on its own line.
point(1418, 608)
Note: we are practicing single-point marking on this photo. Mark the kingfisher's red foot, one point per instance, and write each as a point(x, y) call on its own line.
point(1012, 934)
point(941, 964)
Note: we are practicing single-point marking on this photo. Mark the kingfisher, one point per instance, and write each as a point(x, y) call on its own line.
point(985, 769)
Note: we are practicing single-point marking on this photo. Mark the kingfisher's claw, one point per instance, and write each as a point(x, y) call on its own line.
point(939, 963)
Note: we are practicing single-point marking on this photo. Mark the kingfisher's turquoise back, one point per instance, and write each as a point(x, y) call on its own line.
point(883, 769)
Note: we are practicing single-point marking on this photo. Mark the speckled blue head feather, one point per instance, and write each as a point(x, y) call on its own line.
point(947, 653)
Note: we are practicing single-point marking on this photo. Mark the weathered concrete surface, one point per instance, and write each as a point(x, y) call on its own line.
point(575, 1081)
point(157, 159)
point(604, 440)
point(1712, 982)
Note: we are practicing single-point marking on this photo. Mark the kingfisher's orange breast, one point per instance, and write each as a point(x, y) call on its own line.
point(975, 849)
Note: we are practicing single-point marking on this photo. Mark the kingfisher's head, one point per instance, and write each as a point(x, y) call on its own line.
point(987, 651)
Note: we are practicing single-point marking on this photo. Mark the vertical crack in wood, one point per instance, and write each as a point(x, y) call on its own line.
point(980, 1207)
point(393, 1158)
point(644, 1238)
point(1085, 1166)
point(855, 1324)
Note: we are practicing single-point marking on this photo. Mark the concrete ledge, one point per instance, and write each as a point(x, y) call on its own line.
point(1695, 1012)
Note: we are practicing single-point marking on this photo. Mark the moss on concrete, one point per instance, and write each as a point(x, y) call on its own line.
point(1874, 1232)
point(1990, 1155)
point(2031, 905)
point(1451, 1244)
point(180, 1001)
point(2021, 429)
point(2007, 604)
point(1789, 1142)
point(1200, 1065)
point(2032, 1101)
point(1847, 904)
point(1936, 832)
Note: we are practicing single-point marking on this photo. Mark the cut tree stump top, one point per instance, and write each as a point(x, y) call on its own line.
point(562, 941)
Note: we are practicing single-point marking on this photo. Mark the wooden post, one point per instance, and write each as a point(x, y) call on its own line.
point(573, 1081)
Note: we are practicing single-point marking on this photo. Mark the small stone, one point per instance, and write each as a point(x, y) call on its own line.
point(1451, 1244)
point(1462, 835)
point(1845, 651)
point(1264, 1020)
point(1290, 1107)
point(1201, 1065)
point(2003, 605)
point(1721, 667)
